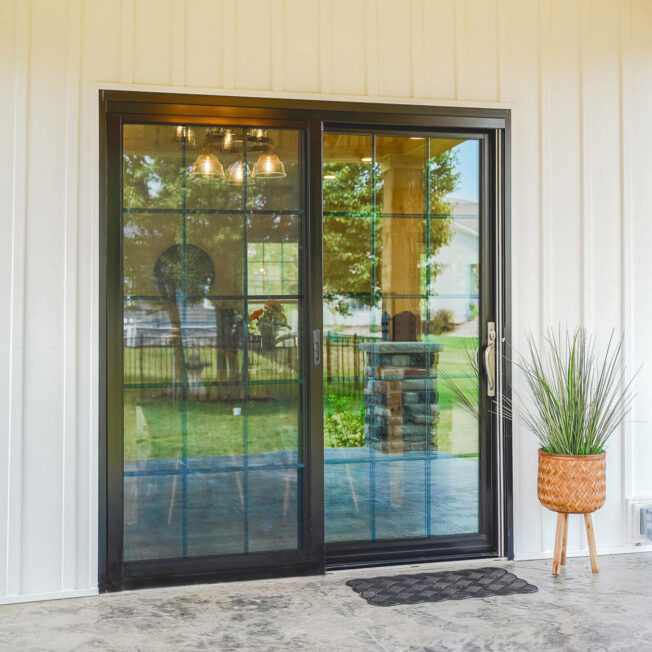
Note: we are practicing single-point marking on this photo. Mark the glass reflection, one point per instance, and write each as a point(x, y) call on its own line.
point(212, 383)
point(401, 269)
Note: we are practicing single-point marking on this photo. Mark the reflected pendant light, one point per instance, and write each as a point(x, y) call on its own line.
point(236, 173)
point(231, 140)
point(227, 141)
point(183, 133)
point(207, 165)
point(269, 166)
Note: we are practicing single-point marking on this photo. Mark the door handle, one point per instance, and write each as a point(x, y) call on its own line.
point(490, 359)
point(316, 347)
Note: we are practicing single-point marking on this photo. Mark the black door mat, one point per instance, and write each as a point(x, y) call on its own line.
point(434, 587)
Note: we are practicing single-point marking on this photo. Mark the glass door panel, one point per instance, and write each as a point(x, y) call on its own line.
point(401, 307)
point(213, 396)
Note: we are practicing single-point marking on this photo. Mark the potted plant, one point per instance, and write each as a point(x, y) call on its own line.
point(578, 399)
point(270, 319)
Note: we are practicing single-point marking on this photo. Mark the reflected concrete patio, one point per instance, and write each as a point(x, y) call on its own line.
point(229, 504)
point(573, 611)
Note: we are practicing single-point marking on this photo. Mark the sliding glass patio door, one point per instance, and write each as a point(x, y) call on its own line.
point(300, 326)
point(213, 396)
point(403, 310)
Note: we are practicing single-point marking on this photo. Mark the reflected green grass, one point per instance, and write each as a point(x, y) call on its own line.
point(210, 428)
point(154, 424)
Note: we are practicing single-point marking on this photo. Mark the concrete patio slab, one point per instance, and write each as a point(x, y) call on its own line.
point(573, 611)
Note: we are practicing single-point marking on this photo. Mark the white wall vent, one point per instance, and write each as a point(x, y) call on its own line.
point(639, 518)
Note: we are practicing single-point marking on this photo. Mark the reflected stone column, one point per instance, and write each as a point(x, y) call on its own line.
point(400, 387)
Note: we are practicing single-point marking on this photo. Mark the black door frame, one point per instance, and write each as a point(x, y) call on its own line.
point(492, 127)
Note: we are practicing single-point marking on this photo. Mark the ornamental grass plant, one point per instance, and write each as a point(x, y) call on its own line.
point(578, 396)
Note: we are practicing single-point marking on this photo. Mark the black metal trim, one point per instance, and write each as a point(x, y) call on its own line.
point(102, 344)
point(223, 575)
point(486, 541)
point(505, 273)
point(320, 110)
point(408, 557)
point(117, 107)
point(313, 275)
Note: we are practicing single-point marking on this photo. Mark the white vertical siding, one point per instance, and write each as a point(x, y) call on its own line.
point(524, 70)
point(301, 36)
point(203, 51)
point(639, 222)
point(577, 73)
point(347, 34)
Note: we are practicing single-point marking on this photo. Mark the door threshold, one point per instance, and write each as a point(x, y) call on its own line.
point(426, 565)
point(416, 562)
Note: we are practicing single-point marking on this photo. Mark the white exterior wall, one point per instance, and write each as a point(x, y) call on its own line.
point(577, 74)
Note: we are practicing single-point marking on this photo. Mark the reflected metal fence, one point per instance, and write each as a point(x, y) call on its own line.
point(344, 364)
point(213, 371)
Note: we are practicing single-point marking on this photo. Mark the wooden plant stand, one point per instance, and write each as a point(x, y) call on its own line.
point(572, 484)
point(559, 558)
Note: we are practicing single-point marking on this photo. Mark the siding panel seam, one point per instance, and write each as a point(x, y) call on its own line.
point(70, 319)
point(127, 35)
point(14, 530)
point(627, 249)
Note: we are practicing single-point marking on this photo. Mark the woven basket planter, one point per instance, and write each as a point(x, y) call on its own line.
point(572, 484)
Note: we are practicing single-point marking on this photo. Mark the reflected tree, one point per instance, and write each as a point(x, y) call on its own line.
point(349, 193)
point(183, 275)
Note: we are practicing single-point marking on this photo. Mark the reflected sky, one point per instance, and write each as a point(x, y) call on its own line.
point(467, 186)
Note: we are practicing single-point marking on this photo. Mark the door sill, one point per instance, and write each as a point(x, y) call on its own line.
point(181, 579)
point(348, 564)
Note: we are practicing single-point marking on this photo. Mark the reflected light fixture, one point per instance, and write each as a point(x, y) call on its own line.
point(330, 176)
point(236, 173)
point(269, 166)
point(207, 165)
point(417, 138)
point(227, 141)
point(182, 132)
point(367, 159)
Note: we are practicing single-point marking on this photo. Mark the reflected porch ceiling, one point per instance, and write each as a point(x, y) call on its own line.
point(351, 148)
point(344, 148)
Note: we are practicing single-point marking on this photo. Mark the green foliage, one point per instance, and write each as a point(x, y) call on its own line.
point(578, 396)
point(351, 191)
point(443, 321)
point(443, 180)
point(465, 394)
point(354, 192)
point(343, 426)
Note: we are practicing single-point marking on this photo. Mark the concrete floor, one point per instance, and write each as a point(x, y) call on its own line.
point(574, 611)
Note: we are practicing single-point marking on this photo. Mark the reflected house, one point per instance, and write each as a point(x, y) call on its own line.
point(456, 285)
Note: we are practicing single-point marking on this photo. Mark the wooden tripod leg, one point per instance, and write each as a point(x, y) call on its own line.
point(565, 540)
point(588, 522)
point(559, 537)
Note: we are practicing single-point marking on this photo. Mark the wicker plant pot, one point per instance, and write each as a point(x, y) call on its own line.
point(572, 484)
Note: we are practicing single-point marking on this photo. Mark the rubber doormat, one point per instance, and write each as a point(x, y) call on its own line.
point(434, 587)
